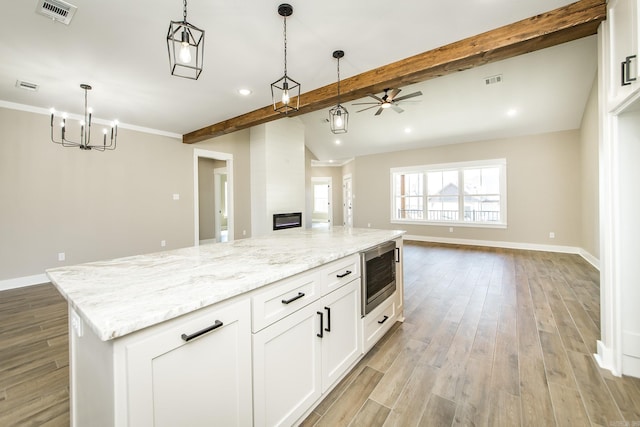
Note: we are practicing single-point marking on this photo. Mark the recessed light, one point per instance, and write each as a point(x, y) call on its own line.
point(244, 92)
point(338, 142)
point(407, 130)
point(330, 161)
point(512, 112)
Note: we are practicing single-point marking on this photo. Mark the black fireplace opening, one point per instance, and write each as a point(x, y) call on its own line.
point(287, 220)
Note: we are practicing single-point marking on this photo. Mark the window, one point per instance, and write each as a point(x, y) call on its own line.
point(469, 193)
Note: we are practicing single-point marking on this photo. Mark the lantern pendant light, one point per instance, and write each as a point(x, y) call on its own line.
point(338, 115)
point(185, 44)
point(285, 92)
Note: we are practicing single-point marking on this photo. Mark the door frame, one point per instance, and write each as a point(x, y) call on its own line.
point(347, 201)
point(216, 155)
point(329, 182)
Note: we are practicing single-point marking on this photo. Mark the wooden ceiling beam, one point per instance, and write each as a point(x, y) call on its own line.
point(571, 22)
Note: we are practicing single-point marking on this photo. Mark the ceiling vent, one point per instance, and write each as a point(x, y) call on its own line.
point(26, 85)
point(57, 10)
point(492, 80)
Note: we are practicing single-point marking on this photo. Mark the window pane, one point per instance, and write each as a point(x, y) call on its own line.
point(443, 196)
point(443, 183)
point(409, 201)
point(482, 208)
point(482, 181)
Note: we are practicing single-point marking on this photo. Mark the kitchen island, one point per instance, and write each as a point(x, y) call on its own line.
point(148, 331)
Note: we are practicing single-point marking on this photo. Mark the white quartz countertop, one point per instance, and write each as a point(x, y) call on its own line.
point(123, 295)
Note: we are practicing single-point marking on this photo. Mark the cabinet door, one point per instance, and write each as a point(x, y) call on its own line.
point(341, 343)
point(286, 368)
point(623, 43)
point(200, 382)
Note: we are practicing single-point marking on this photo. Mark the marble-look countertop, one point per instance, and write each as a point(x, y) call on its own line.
point(123, 295)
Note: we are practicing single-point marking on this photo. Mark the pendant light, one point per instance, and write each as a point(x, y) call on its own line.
point(185, 44)
point(285, 92)
point(338, 115)
point(84, 143)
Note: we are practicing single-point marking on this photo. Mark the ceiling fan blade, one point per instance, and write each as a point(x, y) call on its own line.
point(366, 103)
point(393, 94)
point(368, 108)
point(376, 98)
point(379, 111)
point(411, 95)
point(396, 108)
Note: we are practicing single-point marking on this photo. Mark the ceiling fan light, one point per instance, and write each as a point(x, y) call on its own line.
point(386, 105)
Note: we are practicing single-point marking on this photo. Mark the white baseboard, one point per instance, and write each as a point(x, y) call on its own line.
point(509, 245)
point(604, 358)
point(20, 282)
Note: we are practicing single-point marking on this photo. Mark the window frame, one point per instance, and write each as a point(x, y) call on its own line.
point(460, 167)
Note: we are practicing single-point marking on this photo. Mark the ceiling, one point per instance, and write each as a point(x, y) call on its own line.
point(119, 47)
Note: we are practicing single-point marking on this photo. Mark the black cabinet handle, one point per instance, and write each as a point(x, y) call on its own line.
point(321, 334)
point(383, 320)
point(340, 276)
point(626, 71)
point(216, 325)
point(397, 254)
point(290, 300)
point(328, 328)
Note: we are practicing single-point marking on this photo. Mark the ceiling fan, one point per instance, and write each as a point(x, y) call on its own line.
point(388, 100)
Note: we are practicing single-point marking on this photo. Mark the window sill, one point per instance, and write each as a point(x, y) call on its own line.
point(451, 224)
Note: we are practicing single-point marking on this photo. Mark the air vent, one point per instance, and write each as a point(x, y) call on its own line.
point(26, 85)
point(57, 10)
point(492, 80)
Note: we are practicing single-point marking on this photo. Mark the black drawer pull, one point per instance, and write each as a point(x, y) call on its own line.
point(290, 300)
point(340, 276)
point(328, 328)
point(202, 332)
point(321, 334)
point(626, 71)
point(384, 319)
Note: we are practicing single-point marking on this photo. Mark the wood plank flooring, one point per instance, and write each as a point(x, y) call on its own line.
point(34, 357)
point(492, 337)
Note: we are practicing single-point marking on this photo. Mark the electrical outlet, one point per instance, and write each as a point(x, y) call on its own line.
point(450, 229)
point(244, 232)
point(552, 235)
point(163, 243)
point(61, 256)
point(176, 197)
point(369, 224)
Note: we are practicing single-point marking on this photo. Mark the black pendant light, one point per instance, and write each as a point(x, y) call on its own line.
point(285, 92)
point(338, 115)
point(185, 44)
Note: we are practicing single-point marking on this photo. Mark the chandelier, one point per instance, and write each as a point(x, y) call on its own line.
point(338, 115)
point(285, 88)
point(184, 42)
point(85, 130)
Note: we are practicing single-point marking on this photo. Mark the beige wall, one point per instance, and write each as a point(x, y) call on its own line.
point(589, 158)
point(543, 194)
point(236, 144)
point(88, 204)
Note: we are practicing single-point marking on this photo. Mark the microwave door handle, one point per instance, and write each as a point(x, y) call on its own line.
point(397, 254)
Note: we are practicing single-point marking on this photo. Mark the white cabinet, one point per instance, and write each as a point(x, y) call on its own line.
point(623, 42)
point(195, 373)
point(299, 357)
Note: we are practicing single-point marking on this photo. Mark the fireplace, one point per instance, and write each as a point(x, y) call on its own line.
point(287, 220)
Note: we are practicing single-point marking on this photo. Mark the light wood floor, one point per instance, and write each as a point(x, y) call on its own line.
point(492, 337)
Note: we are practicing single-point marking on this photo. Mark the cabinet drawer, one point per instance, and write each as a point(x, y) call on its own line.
point(340, 272)
point(378, 322)
point(287, 297)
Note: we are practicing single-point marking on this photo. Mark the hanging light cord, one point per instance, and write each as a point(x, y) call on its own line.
point(184, 13)
point(338, 81)
point(285, 47)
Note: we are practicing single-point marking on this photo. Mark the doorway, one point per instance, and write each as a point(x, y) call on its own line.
point(347, 197)
point(213, 196)
point(322, 213)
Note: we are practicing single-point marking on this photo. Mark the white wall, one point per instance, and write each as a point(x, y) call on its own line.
point(277, 172)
